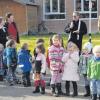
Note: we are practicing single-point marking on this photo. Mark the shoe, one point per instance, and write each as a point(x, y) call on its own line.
point(87, 91)
point(75, 93)
point(94, 97)
point(37, 90)
point(53, 89)
point(60, 90)
point(42, 90)
point(67, 86)
point(99, 97)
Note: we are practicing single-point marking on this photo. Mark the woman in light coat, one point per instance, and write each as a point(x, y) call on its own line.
point(70, 74)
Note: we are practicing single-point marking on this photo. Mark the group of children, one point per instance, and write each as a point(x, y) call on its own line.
point(64, 64)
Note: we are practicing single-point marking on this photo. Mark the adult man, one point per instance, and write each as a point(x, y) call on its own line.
point(77, 29)
point(11, 28)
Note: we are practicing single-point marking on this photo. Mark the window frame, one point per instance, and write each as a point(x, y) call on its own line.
point(51, 12)
point(84, 12)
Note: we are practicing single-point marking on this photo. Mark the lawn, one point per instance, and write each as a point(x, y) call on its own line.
point(31, 40)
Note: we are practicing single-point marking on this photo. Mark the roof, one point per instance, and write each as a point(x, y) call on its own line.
point(26, 2)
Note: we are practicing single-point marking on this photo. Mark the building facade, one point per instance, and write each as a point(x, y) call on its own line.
point(58, 13)
point(24, 11)
point(55, 14)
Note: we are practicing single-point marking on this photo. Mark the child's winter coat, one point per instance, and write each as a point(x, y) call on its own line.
point(93, 71)
point(24, 60)
point(55, 57)
point(10, 57)
point(71, 66)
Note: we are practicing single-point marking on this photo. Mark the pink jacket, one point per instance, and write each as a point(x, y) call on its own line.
point(55, 57)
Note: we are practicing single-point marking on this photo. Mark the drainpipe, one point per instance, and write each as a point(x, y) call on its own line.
point(90, 9)
point(26, 19)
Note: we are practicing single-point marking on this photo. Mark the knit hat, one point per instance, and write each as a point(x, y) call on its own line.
point(96, 49)
point(88, 46)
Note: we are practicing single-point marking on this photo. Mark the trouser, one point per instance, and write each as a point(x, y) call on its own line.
point(95, 86)
point(11, 76)
point(87, 82)
point(56, 77)
point(87, 85)
point(67, 86)
point(26, 78)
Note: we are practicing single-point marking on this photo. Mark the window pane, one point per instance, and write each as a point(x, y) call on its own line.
point(55, 5)
point(47, 5)
point(94, 5)
point(94, 15)
point(78, 5)
point(62, 5)
point(86, 5)
point(84, 15)
point(58, 16)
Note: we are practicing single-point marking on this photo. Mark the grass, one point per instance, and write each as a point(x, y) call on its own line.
point(31, 40)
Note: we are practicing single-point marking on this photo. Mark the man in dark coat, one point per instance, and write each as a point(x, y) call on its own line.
point(12, 28)
point(77, 29)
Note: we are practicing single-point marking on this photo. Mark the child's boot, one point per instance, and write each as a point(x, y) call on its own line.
point(53, 89)
point(67, 86)
point(75, 93)
point(42, 87)
point(60, 89)
point(42, 90)
point(37, 88)
point(94, 97)
point(87, 91)
point(99, 97)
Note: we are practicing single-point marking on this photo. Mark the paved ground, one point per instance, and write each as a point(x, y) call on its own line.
point(25, 93)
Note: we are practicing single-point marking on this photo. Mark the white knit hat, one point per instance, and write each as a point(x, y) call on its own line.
point(88, 46)
point(96, 49)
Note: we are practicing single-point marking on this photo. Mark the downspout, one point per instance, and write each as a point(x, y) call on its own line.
point(26, 19)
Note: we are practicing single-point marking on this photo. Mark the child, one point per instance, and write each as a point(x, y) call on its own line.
point(93, 72)
point(84, 58)
point(39, 42)
point(1, 62)
point(40, 69)
point(47, 58)
point(71, 59)
point(56, 66)
point(11, 61)
point(25, 64)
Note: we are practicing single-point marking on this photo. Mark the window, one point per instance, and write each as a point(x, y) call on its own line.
point(83, 7)
point(54, 9)
point(33, 1)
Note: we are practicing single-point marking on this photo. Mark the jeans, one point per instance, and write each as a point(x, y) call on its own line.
point(11, 77)
point(26, 78)
point(95, 86)
point(86, 80)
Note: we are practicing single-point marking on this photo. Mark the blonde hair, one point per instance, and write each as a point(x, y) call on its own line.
point(10, 43)
point(71, 44)
point(56, 37)
point(96, 49)
point(76, 13)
